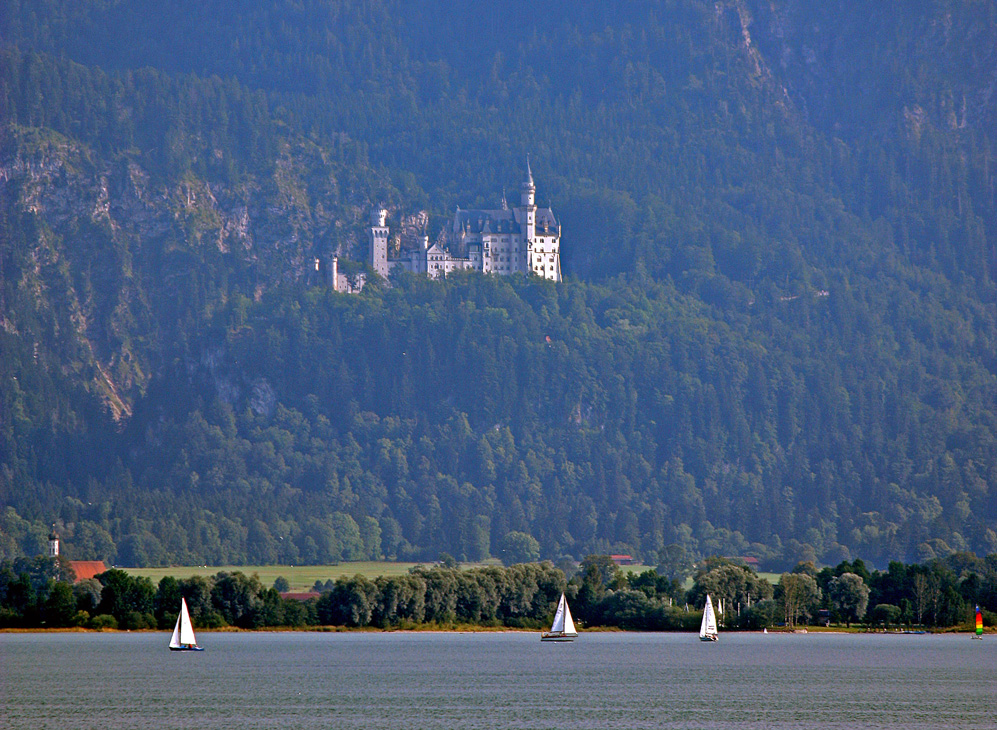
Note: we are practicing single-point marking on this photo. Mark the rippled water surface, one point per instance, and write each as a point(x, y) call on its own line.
point(506, 680)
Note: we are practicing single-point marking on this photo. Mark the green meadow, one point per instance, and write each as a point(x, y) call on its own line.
point(303, 577)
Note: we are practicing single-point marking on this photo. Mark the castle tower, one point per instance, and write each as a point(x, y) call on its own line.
point(53, 543)
point(377, 236)
point(528, 192)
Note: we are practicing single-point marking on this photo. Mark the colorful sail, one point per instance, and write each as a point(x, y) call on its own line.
point(979, 621)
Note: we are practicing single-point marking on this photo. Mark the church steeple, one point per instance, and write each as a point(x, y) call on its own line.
point(53, 543)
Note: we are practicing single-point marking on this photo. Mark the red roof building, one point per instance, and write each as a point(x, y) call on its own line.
point(86, 569)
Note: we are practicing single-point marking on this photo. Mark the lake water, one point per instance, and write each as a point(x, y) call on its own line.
point(497, 680)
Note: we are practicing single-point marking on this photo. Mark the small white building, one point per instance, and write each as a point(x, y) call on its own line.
point(338, 281)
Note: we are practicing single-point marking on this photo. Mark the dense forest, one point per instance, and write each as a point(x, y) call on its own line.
point(777, 336)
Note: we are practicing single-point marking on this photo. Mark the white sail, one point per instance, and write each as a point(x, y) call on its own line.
point(708, 628)
point(569, 625)
point(563, 628)
point(183, 632)
point(558, 625)
point(175, 639)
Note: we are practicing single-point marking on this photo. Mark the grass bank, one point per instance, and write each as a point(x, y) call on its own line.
point(301, 577)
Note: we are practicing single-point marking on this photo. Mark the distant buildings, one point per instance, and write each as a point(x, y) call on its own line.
point(524, 239)
point(84, 569)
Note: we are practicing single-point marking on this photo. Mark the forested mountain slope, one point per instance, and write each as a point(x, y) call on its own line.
point(778, 335)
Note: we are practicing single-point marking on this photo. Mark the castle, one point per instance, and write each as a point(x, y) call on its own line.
point(525, 239)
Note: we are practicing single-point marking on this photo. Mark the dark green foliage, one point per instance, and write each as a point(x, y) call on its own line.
point(239, 599)
point(885, 615)
point(521, 596)
point(849, 594)
point(518, 547)
point(777, 337)
point(167, 602)
point(131, 601)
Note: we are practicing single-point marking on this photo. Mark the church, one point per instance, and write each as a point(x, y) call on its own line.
point(524, 239)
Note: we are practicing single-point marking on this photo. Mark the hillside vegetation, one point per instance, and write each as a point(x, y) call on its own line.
point(777, 337)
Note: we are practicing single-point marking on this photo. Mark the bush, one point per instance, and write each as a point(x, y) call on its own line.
point(136, 620)
point(103, 621)
point(886, 614)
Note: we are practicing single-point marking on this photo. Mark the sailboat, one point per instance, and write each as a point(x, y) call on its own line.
point(183, 633)
point(563, 628)
point(979, 623)
point(708, 629)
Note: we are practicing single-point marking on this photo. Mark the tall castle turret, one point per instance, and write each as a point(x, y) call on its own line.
point(378, 240)
point(53, 543)
point(527, 196)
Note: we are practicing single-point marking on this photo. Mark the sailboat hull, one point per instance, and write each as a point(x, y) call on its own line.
point(708, 638)
point(186, 648)
point(556, 636)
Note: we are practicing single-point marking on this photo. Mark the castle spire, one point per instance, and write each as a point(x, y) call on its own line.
point(527, 189)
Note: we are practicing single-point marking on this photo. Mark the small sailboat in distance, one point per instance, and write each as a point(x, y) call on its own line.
point(563, 628)
point(183, 633)
point(708, 628)
point(979, 623)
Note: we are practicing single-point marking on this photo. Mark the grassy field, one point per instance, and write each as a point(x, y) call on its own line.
point(301, 577)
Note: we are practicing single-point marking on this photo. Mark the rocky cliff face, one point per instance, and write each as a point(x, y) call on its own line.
point(114, 254)
point(844, 68)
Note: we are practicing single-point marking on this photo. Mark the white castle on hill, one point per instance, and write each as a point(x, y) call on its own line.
point(524, 239)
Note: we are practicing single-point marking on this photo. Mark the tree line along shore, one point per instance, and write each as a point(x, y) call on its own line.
point(42, 593)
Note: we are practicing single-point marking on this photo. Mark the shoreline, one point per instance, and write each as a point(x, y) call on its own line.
point(470, 629)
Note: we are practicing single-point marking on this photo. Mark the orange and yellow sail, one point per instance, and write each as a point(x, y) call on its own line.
point(979, 622)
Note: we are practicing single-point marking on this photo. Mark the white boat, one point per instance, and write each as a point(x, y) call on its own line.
point(708, 629)
point(183, 633)
point(563, 628)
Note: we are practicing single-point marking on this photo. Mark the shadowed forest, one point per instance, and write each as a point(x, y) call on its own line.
point(777, 336)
